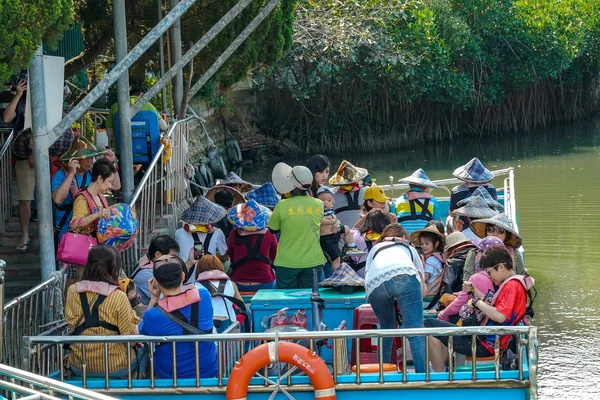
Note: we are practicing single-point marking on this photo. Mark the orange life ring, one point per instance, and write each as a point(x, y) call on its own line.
point(272, 352)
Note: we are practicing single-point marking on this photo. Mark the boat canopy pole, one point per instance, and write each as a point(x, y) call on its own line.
point(232, 48)
point(126, 147)
point(191, 53)
point(175, 37)
point(42, 164)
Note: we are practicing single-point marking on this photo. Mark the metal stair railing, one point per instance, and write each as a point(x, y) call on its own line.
point(5, 179)
point(162, 189)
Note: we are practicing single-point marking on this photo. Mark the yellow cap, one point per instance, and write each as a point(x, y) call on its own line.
point(376, 193)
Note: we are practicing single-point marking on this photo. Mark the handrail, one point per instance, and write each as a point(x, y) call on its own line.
point(46, 383)
point(30, 293)
point(158, 157)
point(7, 143)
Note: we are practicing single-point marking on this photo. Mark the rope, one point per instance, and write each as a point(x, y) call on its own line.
point(274, 356)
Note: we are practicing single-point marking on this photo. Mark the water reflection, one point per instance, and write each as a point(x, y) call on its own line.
point(558, 201)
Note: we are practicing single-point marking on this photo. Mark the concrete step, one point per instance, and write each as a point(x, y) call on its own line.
point(14, 288)
point(23, 272)
point(13, 239)
point(13, 225)
point(9, 255)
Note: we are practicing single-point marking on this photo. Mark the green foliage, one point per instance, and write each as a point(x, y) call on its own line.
point(383, 67)
point(24, 24)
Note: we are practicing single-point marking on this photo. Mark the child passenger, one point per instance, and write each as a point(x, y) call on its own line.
point(332, 230)
point(432, 244)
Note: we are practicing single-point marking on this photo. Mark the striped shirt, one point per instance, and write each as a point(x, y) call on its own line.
point(115, 310)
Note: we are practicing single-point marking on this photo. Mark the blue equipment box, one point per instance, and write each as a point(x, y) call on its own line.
point(145, 136)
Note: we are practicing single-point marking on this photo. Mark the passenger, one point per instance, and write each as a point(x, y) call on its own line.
point(198, 230)
point(350, 193)
point(251, 247)
point(182, 310)
point(233, 180)
point(394, 273)
point(417, 206)
point(266, 195)
point(319, 166)
point(375, 199)
point(298, 218)
point(439, 225)
point(508, 308)
point(226, 197)
point(432, 244)
point(455, 253)
point(130, 288)
point(472, 261)
point(480, 279)
point(159, 246)
point(211, 275)
point(366, 236)
point(477, 208)
point(332, 231)
point(502, 227)
point(474, 175)
point(96, 306)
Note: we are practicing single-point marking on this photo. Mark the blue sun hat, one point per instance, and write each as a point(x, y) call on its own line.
point(473, 172)
point(419, 178)
point(265, 195)
point(249, 216)
point(203, 212)
point(485, 195)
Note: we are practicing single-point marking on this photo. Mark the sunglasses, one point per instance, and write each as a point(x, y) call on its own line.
point(494, 229)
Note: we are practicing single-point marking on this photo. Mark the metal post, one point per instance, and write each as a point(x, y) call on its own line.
point(2, 267)
point(161, 54)
point(175, 36)
point(233, 47)
point(42, 164)
point(126, 149)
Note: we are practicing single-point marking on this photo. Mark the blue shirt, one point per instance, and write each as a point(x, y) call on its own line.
point(58, 180)
point(154, 323)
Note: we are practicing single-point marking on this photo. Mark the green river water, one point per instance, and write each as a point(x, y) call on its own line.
point(558, 203)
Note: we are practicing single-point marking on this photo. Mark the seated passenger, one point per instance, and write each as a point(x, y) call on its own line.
point(159, 246)
point(432, 244)
point(501, 226)
point(129, 287)
point(366, 236)
point(183, 310)
point(477, 208)
point(376, 199)
point(507, 308)
point(198, 229)
point(474, 256)
point(96, 306)
point(350, 193)
point(455, 253)
point(226, 197)
point(211, 275)
point(251, 247)
point(474, 175)
point(417, 206)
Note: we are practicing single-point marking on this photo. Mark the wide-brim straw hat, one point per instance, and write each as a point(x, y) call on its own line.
point(479, 228)
point(203, 212)
point(237, 196)
point(419, 178)
point(473, 172)
point(285, 178)
point(81, 148)
point(249, 216)
point(414, 237)
point(476, 208)
point(234, 179)
point(347, 174)
point(344, 275)
point(454, 240)
point(266, 195)
point(485, 195)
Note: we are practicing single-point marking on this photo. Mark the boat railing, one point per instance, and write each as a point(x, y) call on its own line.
point(6, 138)
point(18, 384)
point(163, 189)
point(525, 377)
point(38, 310)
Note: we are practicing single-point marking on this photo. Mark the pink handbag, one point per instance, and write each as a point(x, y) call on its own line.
point(74, 248)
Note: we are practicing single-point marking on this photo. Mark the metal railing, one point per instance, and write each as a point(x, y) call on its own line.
point(163, 187)
point(525, 377)
point(27, 386)
point(33, 313)
point(6, 138)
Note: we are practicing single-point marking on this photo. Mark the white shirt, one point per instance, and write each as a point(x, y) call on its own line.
point(217, 244)
point(393, 261)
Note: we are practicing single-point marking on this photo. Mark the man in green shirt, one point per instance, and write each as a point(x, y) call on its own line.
point(135, 93)
point(298, 218)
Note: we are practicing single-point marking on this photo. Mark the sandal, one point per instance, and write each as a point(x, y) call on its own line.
point(22, 248)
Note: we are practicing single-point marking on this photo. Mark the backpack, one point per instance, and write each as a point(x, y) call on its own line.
point(239, 307)
point(454, 269)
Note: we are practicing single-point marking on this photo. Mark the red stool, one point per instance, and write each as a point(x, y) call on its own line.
point(365, 319)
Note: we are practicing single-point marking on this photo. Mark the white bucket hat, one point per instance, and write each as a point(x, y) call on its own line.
point(285, 178)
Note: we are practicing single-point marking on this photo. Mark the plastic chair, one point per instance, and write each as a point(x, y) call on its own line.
point(365, 319)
